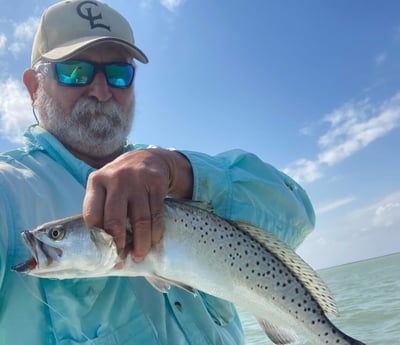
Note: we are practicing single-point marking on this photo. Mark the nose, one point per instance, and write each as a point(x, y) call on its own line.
point(99, 88)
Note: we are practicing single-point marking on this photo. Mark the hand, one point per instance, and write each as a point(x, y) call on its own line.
point(133, 187)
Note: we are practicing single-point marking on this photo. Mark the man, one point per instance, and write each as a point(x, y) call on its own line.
point(81, 83)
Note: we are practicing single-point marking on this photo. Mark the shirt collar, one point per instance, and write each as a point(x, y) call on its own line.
point(38, 139)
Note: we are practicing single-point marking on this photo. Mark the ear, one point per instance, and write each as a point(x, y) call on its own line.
point(31, 83)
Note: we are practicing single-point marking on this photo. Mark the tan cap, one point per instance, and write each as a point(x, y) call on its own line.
point(70, 26)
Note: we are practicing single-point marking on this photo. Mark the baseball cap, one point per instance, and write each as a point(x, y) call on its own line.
point(71, 26)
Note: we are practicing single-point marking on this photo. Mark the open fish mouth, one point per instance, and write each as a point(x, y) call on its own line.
point(43, 254)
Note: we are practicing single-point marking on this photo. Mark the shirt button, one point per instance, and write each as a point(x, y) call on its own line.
point(178, 305)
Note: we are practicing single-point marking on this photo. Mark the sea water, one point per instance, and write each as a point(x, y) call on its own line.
point(367, 294)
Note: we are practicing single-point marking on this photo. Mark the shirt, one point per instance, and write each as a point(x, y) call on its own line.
point(43, 181)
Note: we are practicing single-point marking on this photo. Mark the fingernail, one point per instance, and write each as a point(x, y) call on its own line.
point(137, 258)
point(119, 265)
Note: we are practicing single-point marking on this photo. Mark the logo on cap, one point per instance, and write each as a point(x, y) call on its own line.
point(89, 15)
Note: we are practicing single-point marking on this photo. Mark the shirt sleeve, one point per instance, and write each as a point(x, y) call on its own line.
point(242, 187)
point(3, 239)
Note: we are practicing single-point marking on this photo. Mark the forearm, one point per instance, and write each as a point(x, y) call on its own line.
point(242, 187)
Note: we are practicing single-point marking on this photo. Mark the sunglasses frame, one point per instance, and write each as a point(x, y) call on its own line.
point(49, 69)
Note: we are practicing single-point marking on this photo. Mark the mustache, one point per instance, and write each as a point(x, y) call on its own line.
point(91, 106)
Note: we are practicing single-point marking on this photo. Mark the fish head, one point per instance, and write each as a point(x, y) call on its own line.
point(67, 248)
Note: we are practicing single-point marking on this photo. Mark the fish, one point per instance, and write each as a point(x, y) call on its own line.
point(200, 251)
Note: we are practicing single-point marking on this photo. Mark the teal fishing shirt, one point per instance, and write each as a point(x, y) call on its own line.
point(43, 182)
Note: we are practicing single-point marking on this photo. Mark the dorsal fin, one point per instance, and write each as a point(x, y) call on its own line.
point(191, 203)
point(306, 275)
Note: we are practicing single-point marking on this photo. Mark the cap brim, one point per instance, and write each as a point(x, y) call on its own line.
point(72, 48)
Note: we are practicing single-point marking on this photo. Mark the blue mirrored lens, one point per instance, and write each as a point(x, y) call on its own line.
point(75, 72)
point(119, 75)
point(81, 73)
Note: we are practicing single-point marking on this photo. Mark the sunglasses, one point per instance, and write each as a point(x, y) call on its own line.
point(82, 73)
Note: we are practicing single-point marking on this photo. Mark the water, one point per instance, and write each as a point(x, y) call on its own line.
point(368, 297)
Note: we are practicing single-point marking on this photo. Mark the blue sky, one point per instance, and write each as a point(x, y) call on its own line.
point(312, 87)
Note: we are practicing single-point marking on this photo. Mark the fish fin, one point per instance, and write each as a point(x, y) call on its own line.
point(278, 335)
point(193, 203)
point(306, 275)
point(163, 285)
point(159, 284)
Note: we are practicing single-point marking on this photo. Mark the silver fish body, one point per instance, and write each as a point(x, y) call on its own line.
point(201, 251)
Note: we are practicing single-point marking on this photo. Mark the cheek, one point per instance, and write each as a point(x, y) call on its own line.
point(66, 97)
point(126, 99)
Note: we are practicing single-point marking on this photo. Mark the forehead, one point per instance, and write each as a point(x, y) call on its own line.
point(105, 52)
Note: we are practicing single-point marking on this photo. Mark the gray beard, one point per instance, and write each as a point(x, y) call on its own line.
point(94, 128)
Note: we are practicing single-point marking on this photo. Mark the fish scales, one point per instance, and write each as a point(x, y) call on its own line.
point(247, 267)
point(201, 251)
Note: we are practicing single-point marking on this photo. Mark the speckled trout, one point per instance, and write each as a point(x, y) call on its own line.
point(200, 251)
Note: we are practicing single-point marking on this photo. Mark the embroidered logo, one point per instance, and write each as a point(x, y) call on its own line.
point(86, 12)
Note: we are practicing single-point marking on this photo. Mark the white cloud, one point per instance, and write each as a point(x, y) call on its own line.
point(370, 231)
point(3, 43)
point(145, 4)
point(15, 116)
point(380, 217)
point(332, 205)
point(23, 34)
point(17, 47)
point(385, 213)
point(352, 127)
point(21, 37)
point(26, 30)
point(172, 5)
point(304, 170)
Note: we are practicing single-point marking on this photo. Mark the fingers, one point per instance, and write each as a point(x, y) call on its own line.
point(133, 186)
point(105, 207)
point(115, 218)
point(146, 217)
point(140, 217)
point(93, 203)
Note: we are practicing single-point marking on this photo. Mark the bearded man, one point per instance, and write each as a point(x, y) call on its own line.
point(81, 83)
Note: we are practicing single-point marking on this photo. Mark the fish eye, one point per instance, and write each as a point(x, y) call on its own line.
point(57, 233)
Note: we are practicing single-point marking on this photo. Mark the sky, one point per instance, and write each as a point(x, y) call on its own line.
point(312, 87)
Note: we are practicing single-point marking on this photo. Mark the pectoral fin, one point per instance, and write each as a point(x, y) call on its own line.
point(278, 335)
point(163, 285)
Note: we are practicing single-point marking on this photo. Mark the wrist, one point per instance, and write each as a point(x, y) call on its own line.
point(181, 176)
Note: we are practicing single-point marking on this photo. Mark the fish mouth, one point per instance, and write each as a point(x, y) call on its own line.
point(43, 254)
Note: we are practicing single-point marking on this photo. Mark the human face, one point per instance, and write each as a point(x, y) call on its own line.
point(92, 120)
